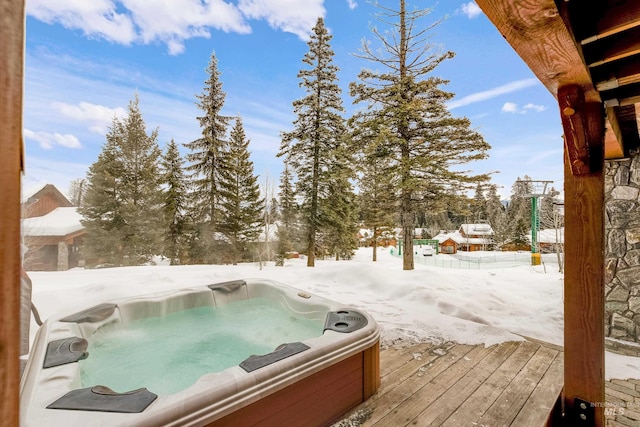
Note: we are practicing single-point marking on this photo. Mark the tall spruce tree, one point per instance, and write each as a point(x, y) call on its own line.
point(123, 196)
point(207, 167)
point(426, 142)
point(241, 202)
point(339, 214)
point(318, 131)
point(174, 205)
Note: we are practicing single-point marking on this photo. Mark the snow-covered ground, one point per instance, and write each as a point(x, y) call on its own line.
point(477, 306)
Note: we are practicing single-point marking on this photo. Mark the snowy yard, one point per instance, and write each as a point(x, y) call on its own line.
point(479, 306)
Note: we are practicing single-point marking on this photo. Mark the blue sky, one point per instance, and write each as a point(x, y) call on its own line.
point(85, 60)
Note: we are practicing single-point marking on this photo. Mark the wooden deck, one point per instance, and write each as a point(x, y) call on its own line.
point(514, 383)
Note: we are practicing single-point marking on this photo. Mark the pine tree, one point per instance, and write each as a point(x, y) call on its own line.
point(479, 206)
point(287, 226)
point(241, 202)
point(102, 213)
point(175, 204)
point(519, 213)
point(339, 213)
point(123, 195)
point(318, 131)
point(376, 183)
point(426, 142)
point(496, 215)
point(207, 167)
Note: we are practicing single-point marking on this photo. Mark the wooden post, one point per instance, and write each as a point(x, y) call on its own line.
point(584, 295)
point(11, 72)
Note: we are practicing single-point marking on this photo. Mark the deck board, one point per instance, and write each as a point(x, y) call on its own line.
point(514, 383)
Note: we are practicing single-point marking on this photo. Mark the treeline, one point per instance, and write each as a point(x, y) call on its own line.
point(392, 163)
point(510, 219)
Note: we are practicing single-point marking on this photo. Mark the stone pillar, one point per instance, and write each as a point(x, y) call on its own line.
point(622, 254)
point(63, 256)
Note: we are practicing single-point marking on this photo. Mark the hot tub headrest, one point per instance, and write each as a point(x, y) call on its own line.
point(94, 314)
point(282, 352)
point(66, 350)
point(103, 399)
point(227, 287)
point(346, 320)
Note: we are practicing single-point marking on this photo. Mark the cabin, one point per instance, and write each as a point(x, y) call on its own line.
point(52, 231)
point(468, 238)
point(476, 237)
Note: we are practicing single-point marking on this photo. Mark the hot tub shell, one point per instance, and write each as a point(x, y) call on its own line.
point(314, 387)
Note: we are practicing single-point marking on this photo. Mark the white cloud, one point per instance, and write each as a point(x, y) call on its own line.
point(293, 16)
point(510, 107)
point(352, 4)
point(493, 93)
point(49, 140)
point(471, 9)
point(535, 107)
point(96, 18)
point(98, 117)
point(173, 22)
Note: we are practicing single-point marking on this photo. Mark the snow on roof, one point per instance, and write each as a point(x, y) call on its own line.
point(58, 222)
point(477, 229)
point(460, 239)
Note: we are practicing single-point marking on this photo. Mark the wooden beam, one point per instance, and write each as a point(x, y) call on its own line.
point(583, 130)
point(613, 140)
point(11, 75)
point(538, 34)
point(584, 295)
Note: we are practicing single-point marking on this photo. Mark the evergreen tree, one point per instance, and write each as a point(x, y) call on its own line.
point(318, 131)
point(287, 226)
point(123, 194)
point(241, 201)
point(426, 142)
point(519, 213)
point(175, 204)
point(479, 206)
point(339, 214)
point(496, 216)
point(207, 167)
point(376, 183)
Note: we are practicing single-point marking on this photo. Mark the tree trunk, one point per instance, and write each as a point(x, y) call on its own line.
point(375, 244)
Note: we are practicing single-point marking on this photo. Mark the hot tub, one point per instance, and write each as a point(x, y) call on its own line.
point(305, 380)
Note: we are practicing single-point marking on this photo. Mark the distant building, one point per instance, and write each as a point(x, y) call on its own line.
point(469, 237)
point(550, 239)
point(51, 231)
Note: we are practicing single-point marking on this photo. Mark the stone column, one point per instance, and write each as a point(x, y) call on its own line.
point(63, 256)
point(622, 255)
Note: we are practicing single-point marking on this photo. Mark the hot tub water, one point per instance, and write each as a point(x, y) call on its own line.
point(168, 354)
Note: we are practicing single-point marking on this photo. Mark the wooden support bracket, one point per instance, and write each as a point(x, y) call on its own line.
point(583, 125)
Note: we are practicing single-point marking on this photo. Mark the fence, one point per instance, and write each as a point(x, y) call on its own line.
point(486, 260)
